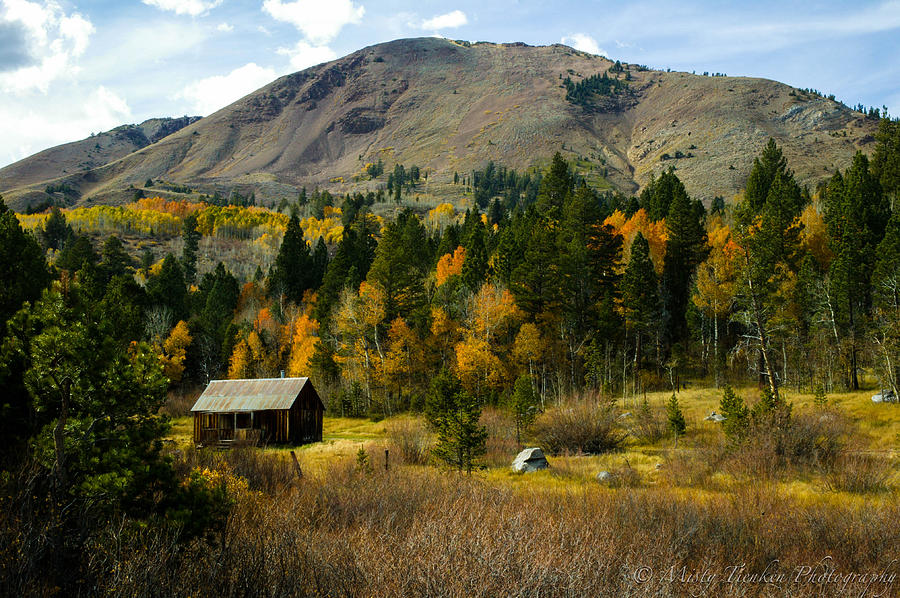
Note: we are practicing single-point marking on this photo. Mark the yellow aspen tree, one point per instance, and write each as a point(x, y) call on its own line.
point(174, 350)
point(303, 345)
point(239, 365)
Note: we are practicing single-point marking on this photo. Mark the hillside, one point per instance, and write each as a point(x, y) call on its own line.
point(450, 107)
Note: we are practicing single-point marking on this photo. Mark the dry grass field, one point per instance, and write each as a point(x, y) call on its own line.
point(696, 520)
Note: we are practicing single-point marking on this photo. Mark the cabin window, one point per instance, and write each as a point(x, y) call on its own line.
point(208, 421)
point(242, 421)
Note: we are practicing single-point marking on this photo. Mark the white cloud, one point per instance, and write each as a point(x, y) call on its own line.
point(225, 27)
point(320, 22)
point(50, 120)
point(208, 95)
point(52, 38)
point(583, 42)
point(193, 8)
point(456, 18)
point(304, 55)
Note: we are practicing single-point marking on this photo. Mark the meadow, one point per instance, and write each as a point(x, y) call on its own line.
point(701, 519)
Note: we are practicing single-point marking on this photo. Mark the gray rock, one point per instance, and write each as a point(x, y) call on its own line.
point(658, 466)
point(885, 396)
point(604, 476)
point(625, 415)
point(714, 417)
point(530, 459)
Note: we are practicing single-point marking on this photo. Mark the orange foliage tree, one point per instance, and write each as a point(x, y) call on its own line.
point(450, 265)
point(303, 345)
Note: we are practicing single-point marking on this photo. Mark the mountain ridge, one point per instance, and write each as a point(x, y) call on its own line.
point(451, 106)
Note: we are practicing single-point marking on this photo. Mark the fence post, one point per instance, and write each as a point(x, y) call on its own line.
point(386, 459)
point(297, 465)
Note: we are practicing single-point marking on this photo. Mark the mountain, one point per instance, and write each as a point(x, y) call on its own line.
point(450, 107)
point(83, 156)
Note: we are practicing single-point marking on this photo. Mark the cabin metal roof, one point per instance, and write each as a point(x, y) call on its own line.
point(224, 396)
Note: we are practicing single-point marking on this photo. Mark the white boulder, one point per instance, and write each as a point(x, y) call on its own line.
point(530, 459)
point(714, 417)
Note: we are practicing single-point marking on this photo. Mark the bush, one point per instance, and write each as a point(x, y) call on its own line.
point(581, 427)
point(649, 424)
point(859, 473)
point(410, 440)
point(810, 440)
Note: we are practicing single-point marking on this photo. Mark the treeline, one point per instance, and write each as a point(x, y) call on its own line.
point(573, 289)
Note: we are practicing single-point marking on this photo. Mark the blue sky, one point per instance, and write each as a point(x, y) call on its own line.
point(72, 67)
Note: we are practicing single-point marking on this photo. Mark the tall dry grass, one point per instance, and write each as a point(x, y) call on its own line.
point(417, 532)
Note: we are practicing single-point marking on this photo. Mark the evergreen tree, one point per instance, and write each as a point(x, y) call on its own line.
point(535, 281)
point(454, 415)
point(766, 168)
point(399, 267)
point(23, 270)
point(640, 295)
point(736, 414)
point(686, 248)
point(475, 265)
point(56, 232)
point(76, 253)
point(146, 261)
point(319, 263)
point(191, 239)
point(168, 288)
point(292, 273)
point(886, 157)
point(122, 308)
point(589, 254)
point(114, 260)
point(856, 215)
point(555, 187)
point(675, 417)
point(886, 275)
point(658, 196)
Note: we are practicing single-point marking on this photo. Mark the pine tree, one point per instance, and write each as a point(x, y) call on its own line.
point(675, 417)
point(886, 275)
point(114, 261)
point(856, 215)
point(736, 414)
point(640, 295)
point(399, 266)
point(191, 238)
point(886, 157)
point(555, 187)
point(56, 232)
point(686, 248)
point(475, 266)
point(535, 281)
point(23, 269)
point(454, 415)
point(292, 273)
point(168, 288)
point(770, 165)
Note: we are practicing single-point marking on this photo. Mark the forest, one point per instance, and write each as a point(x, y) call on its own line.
point(543, 299)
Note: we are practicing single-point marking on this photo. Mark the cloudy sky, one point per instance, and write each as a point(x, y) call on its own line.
point(72, 67)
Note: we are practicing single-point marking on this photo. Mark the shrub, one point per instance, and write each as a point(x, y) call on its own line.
point(649, 424)
point(409, 439)
point(806, 440)
point(859, 473)
point(582, 426)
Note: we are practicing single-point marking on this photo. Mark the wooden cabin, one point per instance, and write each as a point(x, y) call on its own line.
point(268, 410)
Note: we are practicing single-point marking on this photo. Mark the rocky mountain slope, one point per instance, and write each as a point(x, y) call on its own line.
point(450, 107)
